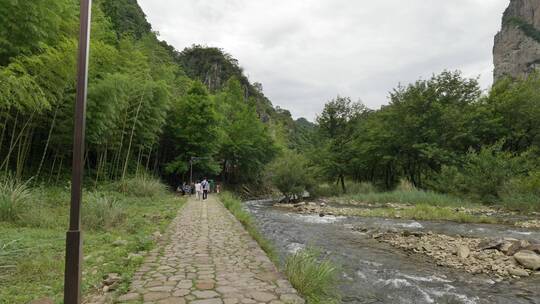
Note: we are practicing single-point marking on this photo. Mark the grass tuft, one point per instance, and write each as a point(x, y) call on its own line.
point(14, 197)
point(101, 212)
point(315, 278)
point(142, 186)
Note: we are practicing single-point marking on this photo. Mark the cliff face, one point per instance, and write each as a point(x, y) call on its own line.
point(517, 46)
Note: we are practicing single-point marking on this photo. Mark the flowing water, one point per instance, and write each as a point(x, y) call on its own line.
point(374, 272)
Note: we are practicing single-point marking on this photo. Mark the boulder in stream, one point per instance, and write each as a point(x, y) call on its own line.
point(529, 259)
point(534, 247)
point(518, 272)
point(510, 247)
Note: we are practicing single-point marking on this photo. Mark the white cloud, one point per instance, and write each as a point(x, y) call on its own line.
point(308, 51)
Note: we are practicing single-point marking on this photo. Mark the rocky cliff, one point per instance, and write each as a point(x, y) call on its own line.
point(517, 46)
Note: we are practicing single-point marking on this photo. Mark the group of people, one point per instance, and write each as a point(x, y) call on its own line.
point(200, 189)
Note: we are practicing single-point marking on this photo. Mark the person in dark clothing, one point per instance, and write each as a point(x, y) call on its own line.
point(206, 188)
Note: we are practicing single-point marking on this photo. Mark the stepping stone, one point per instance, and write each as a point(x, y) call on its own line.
point(154, 296)
point(205, 294)
point(172, 301)
point(205, 285)
point(207, 301)
point(129, 297)
point(263, 296)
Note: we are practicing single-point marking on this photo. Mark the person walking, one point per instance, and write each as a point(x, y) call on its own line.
point(205, 188)
point(198, 190)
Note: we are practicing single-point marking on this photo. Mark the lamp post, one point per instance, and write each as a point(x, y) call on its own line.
point(193, 158)
point(72, 279)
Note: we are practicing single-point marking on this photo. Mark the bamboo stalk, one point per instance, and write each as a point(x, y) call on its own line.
point(47, 143)
point(124, 171)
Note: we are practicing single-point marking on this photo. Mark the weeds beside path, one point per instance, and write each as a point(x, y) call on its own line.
point(117, 227)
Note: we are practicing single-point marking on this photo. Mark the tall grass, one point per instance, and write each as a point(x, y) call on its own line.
point(413, 197)
point(30, 267)
point(315, 278)
point(428, 213)
point(8, 253)
point(14, 199)
point(101, 212)
point(521, 193)
point(328, 190)
point(142, 186)
point(235, 207)
point(360, 188)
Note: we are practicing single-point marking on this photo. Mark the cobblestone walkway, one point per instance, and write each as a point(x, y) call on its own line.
point(209, 258)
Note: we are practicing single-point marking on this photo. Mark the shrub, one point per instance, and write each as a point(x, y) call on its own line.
point(325, 190)
point(405, 186)
point(482, 175)
point(315, 278)
point(142, 186)
point(360, 187)
point(522, 193)
point(101, 212)
point(14, 199)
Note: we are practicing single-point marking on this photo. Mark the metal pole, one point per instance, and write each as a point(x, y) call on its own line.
point(72, 279)
point(191, 171)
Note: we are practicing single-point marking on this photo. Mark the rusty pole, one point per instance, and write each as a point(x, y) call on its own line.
point(72, 279)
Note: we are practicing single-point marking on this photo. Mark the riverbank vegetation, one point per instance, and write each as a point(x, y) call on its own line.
point(313, 276)
point(453, 143)
point(119, 228)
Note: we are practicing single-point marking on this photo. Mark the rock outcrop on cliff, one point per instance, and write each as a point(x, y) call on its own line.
point(517, 46)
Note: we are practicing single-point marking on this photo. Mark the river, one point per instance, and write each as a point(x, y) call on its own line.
point(375, 272)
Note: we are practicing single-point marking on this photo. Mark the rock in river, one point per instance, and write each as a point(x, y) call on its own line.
point(510, 247)
point(518, 272)
point(529, 259)
point(463, 251)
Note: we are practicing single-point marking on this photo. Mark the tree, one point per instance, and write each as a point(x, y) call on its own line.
point(291, 174)
point(427, 124)
point(336, 128)
point(247, 146)
point(193, 127)
point(515, 109)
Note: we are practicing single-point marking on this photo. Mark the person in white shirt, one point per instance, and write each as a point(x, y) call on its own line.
point(198, 190)
point(205, 188)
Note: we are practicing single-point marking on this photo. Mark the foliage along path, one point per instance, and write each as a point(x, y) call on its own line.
point(209, 258)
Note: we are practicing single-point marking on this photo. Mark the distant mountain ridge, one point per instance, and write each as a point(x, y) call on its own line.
point(210, 65)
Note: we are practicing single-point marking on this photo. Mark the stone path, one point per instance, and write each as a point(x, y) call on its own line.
point(209, 258)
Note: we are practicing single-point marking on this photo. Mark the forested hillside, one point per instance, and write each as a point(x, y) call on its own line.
point(150, 107)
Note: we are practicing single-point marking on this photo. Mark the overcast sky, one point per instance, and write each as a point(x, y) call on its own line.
point(306, 52)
